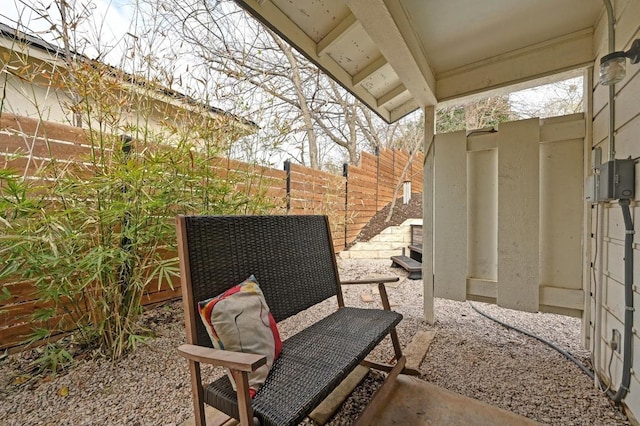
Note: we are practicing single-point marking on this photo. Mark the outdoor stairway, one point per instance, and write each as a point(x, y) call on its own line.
point(410, 265)
point(413, 262)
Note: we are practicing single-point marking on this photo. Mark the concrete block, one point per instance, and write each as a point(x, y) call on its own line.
point(344, 254)
point(386, 254)
point(393, 237)
point(362, 254)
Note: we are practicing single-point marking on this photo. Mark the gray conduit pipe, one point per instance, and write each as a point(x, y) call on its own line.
point(566, 354)
point(612, 88)
point(628, 305)
point(628, 240)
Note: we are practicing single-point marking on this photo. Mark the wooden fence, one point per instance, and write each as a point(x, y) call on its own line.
point(350, 200)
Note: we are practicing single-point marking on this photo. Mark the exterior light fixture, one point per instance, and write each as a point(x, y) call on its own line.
point(612, 66)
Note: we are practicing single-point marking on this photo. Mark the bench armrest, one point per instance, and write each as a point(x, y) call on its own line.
point(233, 360)
point(371, 280)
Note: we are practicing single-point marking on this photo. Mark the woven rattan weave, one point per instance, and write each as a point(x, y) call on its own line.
point(292, 258)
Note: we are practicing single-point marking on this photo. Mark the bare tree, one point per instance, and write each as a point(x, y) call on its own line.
point(560, 98)
point(317, 119)
point(474, 115)
point(414, 135)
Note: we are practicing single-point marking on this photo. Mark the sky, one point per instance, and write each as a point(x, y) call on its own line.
point(107, 24)
point(111, 34)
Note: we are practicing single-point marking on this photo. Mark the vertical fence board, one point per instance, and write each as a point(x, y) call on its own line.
point(519, 215)
point(450, 216)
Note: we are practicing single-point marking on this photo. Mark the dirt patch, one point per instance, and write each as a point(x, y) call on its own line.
point(401, 212)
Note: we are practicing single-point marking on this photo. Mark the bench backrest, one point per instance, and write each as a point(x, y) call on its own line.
point(292, 258)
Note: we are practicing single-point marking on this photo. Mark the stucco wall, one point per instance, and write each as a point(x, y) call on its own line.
point(37, 100)
point(606, 221)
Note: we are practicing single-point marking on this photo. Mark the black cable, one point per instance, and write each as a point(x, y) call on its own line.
point(568, 355)
point(481, 131)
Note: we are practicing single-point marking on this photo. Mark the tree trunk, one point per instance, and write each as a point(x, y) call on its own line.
point(307, 116)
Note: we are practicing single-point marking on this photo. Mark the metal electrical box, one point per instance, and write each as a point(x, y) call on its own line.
point(617, 180)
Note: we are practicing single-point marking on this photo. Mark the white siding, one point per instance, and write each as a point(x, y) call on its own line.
point(609, 268)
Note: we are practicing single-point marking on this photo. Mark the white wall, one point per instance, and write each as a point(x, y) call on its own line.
point(607, 224)
point(38, 100)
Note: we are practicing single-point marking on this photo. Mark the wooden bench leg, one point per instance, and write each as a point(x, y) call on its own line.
point(381, 395)
point(197, 393)
point(387, 307)
point(388, 367)
point(244, 400)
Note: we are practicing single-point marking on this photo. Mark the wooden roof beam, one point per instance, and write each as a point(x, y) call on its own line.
point(336, 34)
point(269, 14)
point(391, 95)
point(369, 70)
point(410, 64)
point(565, 53)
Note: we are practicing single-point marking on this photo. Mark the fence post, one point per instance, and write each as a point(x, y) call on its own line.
point(377, 175)
point(345, 174)
point(287, 169)
point(125, 242)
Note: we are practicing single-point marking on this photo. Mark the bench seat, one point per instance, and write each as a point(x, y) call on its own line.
point(293, 259)
point(299, 380)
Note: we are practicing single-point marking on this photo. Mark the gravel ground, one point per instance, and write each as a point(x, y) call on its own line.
point(470, 355)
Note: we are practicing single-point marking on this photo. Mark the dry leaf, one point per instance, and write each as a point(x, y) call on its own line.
point(366, 297)
point(20, 380)
point(63, 391)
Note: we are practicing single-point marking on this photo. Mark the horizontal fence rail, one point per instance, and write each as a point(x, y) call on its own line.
point(350, 200)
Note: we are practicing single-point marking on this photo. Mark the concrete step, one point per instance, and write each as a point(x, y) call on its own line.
point(410, 265)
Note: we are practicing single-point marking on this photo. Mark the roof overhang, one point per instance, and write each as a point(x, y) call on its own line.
point(399, 55)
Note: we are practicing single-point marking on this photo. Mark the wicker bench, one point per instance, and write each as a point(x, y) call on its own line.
point(293, 259)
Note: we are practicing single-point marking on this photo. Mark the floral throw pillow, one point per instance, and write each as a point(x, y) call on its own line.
point(239, 320)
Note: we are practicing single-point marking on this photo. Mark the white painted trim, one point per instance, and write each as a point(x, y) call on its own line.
point(450, 216)
point(587, 217)
point(427, 214)
point(482, 142)
point(375, 16)
point(402, 110)
point(562, 297)
point(482, 288)
point(572, 51)
point(561, 131)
